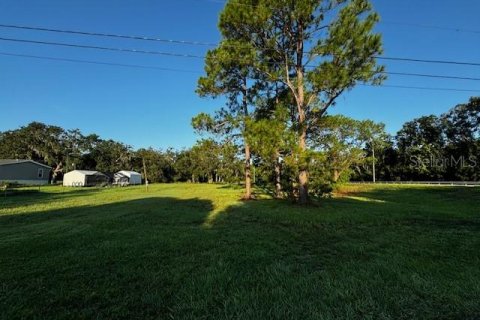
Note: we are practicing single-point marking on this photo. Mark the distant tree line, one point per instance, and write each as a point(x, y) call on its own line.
point(433, 148)
point(66, 150)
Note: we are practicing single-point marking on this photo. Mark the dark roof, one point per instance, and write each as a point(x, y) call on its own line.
point(4, 162)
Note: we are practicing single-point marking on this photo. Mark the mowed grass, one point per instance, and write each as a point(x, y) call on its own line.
point(183, 251)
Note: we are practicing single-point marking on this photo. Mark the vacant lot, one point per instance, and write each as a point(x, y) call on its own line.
point(195, 251)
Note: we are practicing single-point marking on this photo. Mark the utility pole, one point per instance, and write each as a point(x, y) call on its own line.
point(145, 174)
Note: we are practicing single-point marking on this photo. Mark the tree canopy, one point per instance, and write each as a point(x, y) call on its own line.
point(316, 50)
point(436, 147)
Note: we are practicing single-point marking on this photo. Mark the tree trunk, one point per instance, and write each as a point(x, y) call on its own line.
point(336, 175)
point(278, 165)
point(302, 144)
point(278, 177)
point(58, 169)
point(373, 164)
point(303, 172)
point(302, 137)
point(248, 175)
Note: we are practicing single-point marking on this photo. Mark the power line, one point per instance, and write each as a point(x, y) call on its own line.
point(421, 88)
point(416, 25)
point(185, 42)
point(202, 57)
point(63, 44)
point(431, 76)
point(193, 71)
point(97, 62)
point(475, 64)
point(110, 35)
point(198, 72)
point(426, 26)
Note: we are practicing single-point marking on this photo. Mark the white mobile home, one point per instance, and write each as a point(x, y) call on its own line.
point(84, 178)
point(127, 178)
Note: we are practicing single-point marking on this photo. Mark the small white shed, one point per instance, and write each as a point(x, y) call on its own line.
point(84, 178)
point(125, 177)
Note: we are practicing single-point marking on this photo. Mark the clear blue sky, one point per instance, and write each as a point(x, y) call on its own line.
point(145, 107)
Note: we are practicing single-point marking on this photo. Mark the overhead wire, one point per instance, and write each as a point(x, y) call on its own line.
point(110, 35)
point(187, 42)
point(198, 72)
point(421, 88)
point(64, 44)
point(416, 25)
point(96, 62)
point(174, 54)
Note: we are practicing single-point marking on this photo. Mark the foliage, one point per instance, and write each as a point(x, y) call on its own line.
point(227, 70)
point(419, 141)
point(445, 147)
point(35, 141)
point(111, 156)
point(462, 138)
point(266, 41)
point(343, 141)
point(66, 150)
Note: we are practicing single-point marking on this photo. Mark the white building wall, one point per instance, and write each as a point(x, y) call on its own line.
point(135, 178)
point(74, 179)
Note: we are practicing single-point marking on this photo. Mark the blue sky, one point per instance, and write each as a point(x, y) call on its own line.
point(144, 107)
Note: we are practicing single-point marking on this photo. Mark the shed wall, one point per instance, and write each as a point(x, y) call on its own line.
point(74, 179)
point(135, 179)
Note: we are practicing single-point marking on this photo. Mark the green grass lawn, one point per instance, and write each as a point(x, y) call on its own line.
point(182, 251)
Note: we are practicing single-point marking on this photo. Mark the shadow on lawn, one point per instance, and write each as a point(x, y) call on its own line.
point(100, 261)
point(416, 193)
point(34, 196)
point(146, 210)
point(373, 205)
point(159, 258)
point(163, 257)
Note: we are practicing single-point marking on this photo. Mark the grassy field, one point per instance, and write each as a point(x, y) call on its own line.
point(186, 251)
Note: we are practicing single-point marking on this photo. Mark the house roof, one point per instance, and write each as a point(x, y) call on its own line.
point(128, 173)
point(5, 162)
point(88, 172)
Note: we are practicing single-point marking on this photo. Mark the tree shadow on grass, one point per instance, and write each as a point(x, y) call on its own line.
point(158, 258)
point(165, 208)
point(121, 260)
point(416, 194)
point(364, 255)
point(455, 206)
point(35, 196)
point(232, 186)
